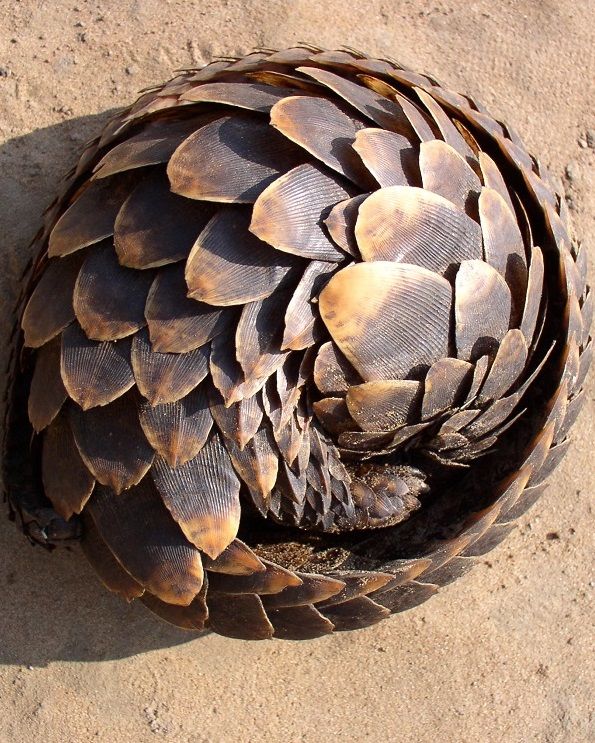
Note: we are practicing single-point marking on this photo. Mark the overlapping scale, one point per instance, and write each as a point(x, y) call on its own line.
point(109, 300)
point(49, 309)
point(105, 564)
point(91, 217)
point(389, 319)
point(230, 266)
point(301, 327)
point(47, 393)
point(384, 406)
point(152, 549)
point(117, 456)
point(202, 496)
point(233, 159)
point(289, 214)
point(445, 172)
point(251, 96)
point(388, 156)
point(176, 323)
point(94, 373)
point(178, 430)
point(482, 309)
point(323, 129)
point(155, 144)
point(66, 481)
point(411, 225)
point(166, 377)
point(143, 242)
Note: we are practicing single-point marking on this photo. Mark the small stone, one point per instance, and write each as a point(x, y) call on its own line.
point(552, 535)
point(582, 143)
point(4, 72)
point(130, 70)
point(591, 138)
point(573, 171)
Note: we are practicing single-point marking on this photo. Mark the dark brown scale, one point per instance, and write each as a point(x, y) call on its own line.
point(291, 358)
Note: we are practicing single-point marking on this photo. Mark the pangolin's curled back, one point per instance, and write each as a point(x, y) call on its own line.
point(305, 334)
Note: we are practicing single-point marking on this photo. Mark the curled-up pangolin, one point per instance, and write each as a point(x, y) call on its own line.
point(304, 334)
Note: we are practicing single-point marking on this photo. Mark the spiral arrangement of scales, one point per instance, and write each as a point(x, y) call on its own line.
point(306, 332)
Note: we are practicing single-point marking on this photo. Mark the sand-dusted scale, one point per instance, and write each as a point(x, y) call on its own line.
point(305, 333)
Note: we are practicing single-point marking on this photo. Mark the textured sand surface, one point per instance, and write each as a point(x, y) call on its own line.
point(506, 653)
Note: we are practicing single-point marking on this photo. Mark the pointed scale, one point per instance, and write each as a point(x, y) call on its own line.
point(301, 327)
point(236, 559)
point(166, 377)
point(290, 439)
point(384, 405)
point(66, 481)
point(389, 157)
point(388, 319)
point(387, 113)
point(49, 309)
point(324, 130)
point(141, 241)
point(109, 300)
point(314, 588)
point(232, 159)
point(358, 584)
point(94, 373)
point(446, 383)
point(226, 373)
point(535, 290)
point(229, 265)
point(406, 596)
point(112, 443)
point(299, 623)
point(202, 496)
point(153, 145)
point(257, 465)
point(102, 560)
point(177, 430)
point(152, 548)
point(176, 323)
point(47, 393)
point(91, 217)
point(333, 414)
point(411, 225)
point(191, 617)
point(492, 178)
point(333, 374)
point(507, 367)
point(291, 379)
point(340, 223)
point(242, 617)
point(251, 96)
point(291, 487)
point(482, 309)
point(317, 472)
point(445, 172)
point(503, 245)
point(239, 421)
point(259, 335)
point(450, 133)
point(272, 580)
point(356, 613)
point(289, 213)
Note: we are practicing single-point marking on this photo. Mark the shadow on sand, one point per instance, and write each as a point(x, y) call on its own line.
point(53, 606)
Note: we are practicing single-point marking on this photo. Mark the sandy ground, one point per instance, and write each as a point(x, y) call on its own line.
point(506, 653)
